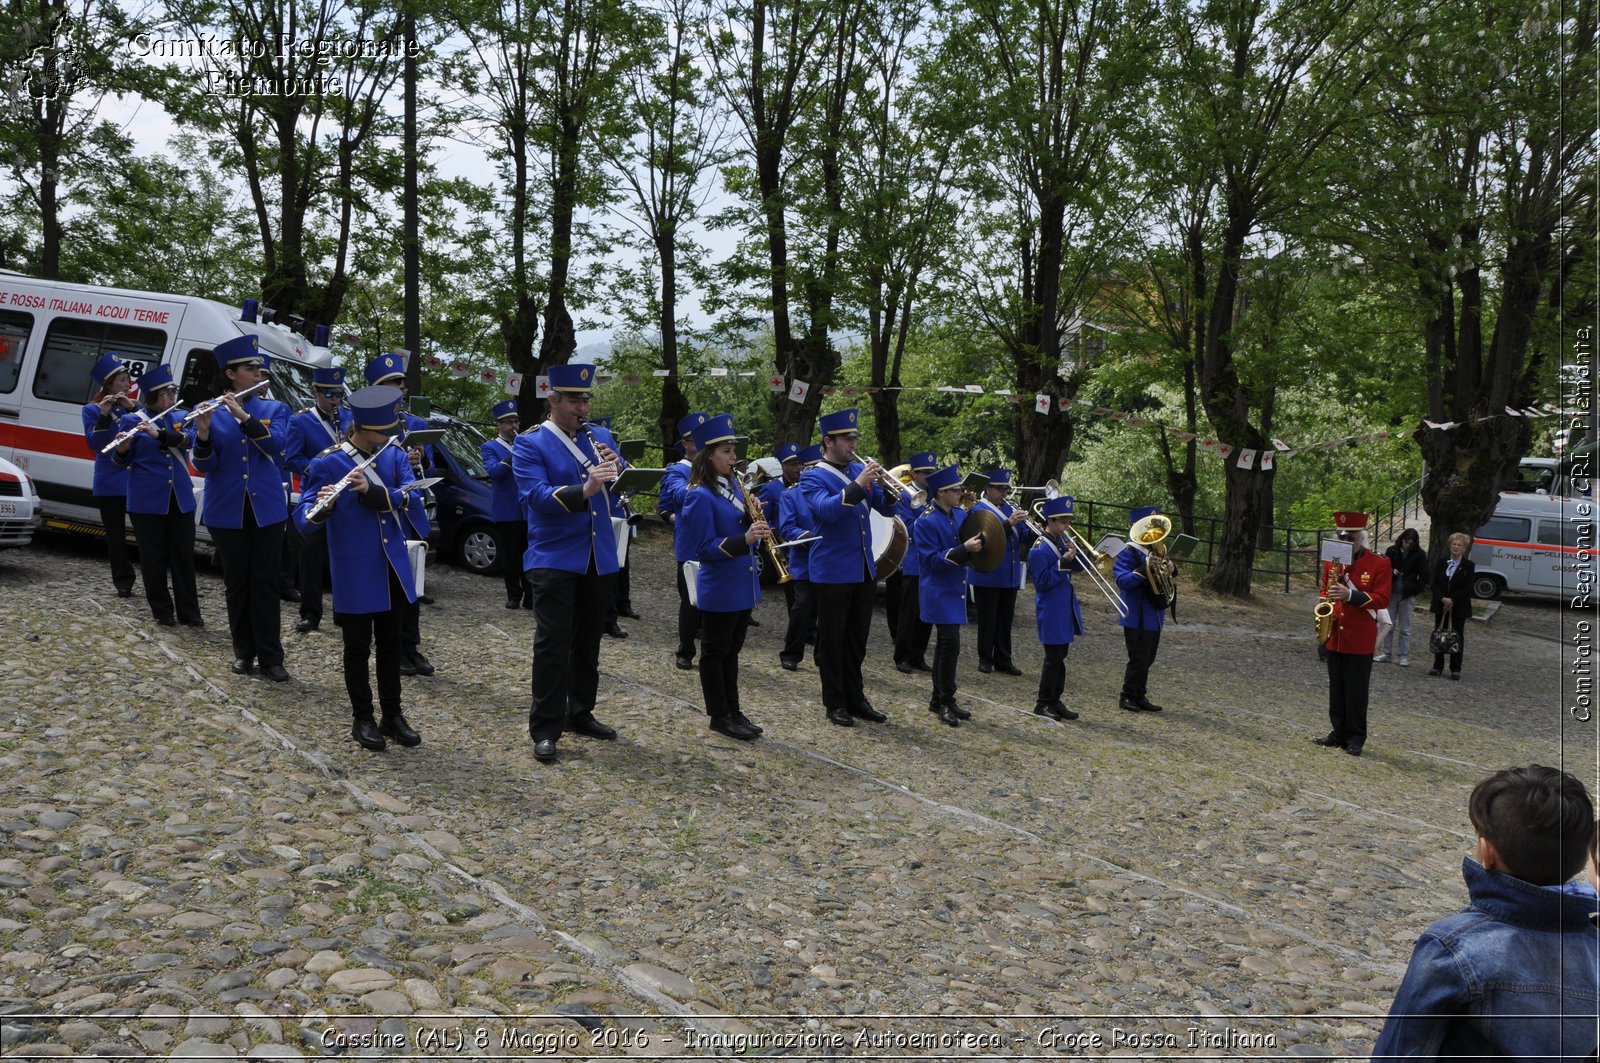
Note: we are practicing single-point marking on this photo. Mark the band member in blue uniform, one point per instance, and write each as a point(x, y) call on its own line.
point(161, 500)
point(238, 448)
point(311, 431)
point(390, 370)
point(106, 407)
point(794, 522)
point(715, 521)
point(372, 579)
point(510, 527)
point(563, 471)
point(669, 502)
point(1141, 627)
point(840, 492)
point(995, 593)
point(1051, 563)
point(911, 633)
point(942, 558)
point(619, 605)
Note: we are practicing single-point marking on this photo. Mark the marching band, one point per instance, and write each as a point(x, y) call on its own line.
point(562, 529)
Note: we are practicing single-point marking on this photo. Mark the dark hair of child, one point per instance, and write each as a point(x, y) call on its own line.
point(1540, 820)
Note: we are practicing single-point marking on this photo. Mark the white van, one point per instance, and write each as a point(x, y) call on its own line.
point(1537, 544)
point(52, 332)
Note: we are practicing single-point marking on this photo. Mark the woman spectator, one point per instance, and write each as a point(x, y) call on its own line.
point(1410, 564)
point(108, 404)
point(1452, 599)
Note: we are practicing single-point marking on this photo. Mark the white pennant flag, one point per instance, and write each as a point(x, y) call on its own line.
point(460, 370)
point(541, 386)
point(799, 391)
point(514, 384)
point(1266, 460)
point(1247, 458)
point(719, 371)
point(1041, 404)
point(1280, 444)
point(775, 384)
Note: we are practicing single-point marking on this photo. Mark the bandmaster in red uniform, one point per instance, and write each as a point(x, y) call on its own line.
point(1358, 591)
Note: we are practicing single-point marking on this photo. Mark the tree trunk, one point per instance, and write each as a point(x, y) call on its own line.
point(413, 245)
point(559, 340)
point(1042, 440)
point(1464, 471)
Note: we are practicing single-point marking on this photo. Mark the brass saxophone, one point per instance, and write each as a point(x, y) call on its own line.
point(752, 506)
point(1323, 615)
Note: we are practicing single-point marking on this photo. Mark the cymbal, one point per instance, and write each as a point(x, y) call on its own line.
point(983, 522)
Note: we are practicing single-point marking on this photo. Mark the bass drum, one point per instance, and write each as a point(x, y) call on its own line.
point(889, 542)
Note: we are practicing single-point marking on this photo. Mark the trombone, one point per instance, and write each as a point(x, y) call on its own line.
point(1100, 563)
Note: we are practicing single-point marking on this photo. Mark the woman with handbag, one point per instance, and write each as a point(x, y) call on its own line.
point(1410, 565)
point(1452, 605)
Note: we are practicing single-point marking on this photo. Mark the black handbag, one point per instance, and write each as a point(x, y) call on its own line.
point(1445, 640)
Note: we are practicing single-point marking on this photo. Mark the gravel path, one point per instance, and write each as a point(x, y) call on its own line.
point(194, 864)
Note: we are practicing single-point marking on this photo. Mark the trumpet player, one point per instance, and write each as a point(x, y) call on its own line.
point(995, 593)
point(372, 578)
point(106, 406)
point(721, 528)
point(563, 473)
point(943, 558)
point(390, 370)
point(1142, 622)
point(1051, 563)
point(1359, 591)
point(239, 450)
point(161, 501)
point(911, 633)
point(840, 492)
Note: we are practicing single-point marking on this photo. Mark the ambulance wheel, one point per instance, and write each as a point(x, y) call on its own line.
point(1488, 586)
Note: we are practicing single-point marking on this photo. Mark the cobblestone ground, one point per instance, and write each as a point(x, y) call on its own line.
point(195, 864)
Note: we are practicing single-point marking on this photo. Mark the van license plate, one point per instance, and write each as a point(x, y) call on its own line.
point(8, 509)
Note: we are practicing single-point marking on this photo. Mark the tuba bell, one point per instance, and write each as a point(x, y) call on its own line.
point(1150, 534)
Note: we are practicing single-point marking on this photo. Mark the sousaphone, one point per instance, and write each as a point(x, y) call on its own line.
point(982, 522)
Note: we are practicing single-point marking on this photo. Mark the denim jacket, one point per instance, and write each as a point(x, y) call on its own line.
point(1516, 974)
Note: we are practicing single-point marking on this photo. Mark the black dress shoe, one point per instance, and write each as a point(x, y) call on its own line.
point(920, 665)
point(614, 629)
point(730, 726)
point(424, 599)
point(290, 595)
point(865, 711)
point(365, 730)
point(545, 749)
point(1062, 712)
point(192, 621)
point(305, 625)
point(789, 666)
point(591, 727)
point(1354, 751)
point(985, 668)
point(242, 666)
point(397, 728)
point(685, 664)
point(1328, 740)
point(1149, 706)
point(422, 665)
point(167, 621)
point(901, 666)
point(754, 622)
point(1128, 703)
point(1047, 711)
point(1436, 671)
point(275, 672)
point(527, 603)
point(960, 713)
point(125, 592)
point(948, 715)
point(513, 603)
point(628, 613)
point(738, 714)
point(1008, 669)
point(842, 717)
point(406, 667)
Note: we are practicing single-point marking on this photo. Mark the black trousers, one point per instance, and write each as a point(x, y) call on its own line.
point(569, 614)
point(845, 610)
point(892, 593)
point(723, 638)
point(114, 518)
point(1458, 624)
point(1349, 676)
point(511, 544)
point(166, 545)
point(1053, 676)
point(946, 651)
point(802, 616)
point(911, 640)
point(1142, 647)
point(250, 559)
point(619, 596)
point(688, 617)
point(313, 574)
point(996, 607)
point(289, 563)
point(361, 630)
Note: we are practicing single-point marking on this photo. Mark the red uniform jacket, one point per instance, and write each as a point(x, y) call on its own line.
point(1355, 630)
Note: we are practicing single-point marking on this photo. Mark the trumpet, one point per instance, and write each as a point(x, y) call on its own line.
point(212, 405)
point(898, 481)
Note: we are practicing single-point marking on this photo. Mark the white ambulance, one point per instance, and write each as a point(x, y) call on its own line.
point(51, 333)
point(1537, 544)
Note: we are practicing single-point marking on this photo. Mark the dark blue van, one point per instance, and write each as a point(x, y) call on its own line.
point(464, 534)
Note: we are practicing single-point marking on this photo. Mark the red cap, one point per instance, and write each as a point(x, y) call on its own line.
point(1345, 521)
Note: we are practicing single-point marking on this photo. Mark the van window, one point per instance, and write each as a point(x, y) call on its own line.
point(72, 346)
point(1560, 532)
point(1507, 529)
point(14, 330)
point(291, 384)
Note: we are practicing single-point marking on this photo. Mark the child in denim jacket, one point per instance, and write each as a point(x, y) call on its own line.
point(1516, 974)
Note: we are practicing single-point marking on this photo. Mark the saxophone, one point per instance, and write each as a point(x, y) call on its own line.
point(1323, 615)
point(752, 506)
